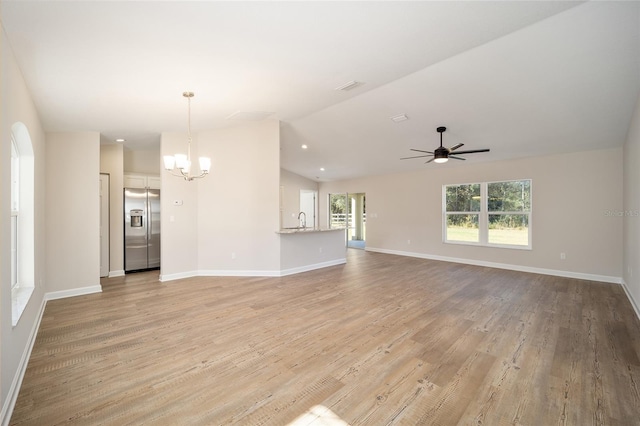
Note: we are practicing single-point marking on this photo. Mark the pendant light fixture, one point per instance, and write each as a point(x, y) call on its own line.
point(182, 162)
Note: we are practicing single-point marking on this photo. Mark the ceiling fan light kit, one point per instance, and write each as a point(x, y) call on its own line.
point(442, 154)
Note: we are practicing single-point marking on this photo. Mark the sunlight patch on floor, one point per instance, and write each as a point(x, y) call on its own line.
point(319, 415)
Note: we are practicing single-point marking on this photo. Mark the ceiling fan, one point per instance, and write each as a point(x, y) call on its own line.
point(442, 154)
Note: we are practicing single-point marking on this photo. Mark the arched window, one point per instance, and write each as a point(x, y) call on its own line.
point(15, 207)
point(22, 220)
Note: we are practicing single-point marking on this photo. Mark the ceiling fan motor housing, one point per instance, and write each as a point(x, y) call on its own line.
point(441, 152)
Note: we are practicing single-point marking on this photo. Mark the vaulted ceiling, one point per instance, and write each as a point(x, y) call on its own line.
point(520, 78)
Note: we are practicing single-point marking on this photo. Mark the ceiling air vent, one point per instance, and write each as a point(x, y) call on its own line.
point(348, 85)
point(399, 118)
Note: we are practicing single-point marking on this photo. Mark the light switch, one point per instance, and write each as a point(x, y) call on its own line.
point(177, 202)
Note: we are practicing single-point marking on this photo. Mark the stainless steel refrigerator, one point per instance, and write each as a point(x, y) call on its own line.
point(141, 229)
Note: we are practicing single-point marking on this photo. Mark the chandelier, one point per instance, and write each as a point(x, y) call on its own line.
point(180, 164)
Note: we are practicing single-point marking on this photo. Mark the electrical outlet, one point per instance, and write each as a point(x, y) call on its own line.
point(408, 241)
point(233, 255)
point(320, 249)
point(563, 256)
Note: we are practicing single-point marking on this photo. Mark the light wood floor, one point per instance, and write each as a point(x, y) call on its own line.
point(381, 340)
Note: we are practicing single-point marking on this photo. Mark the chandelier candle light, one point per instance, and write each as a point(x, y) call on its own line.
point(183, 162)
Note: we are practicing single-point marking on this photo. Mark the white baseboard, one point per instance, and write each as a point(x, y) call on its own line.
point(250, 273)
point(554, 272)
point(238, 273)
point(178, 276)
point(306, 268)
point(14, 390)
point(53, 295)
point(113, 274)
point(631, 299)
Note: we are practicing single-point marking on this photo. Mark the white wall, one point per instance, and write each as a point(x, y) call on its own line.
point(111, 161)
point(631, 219)
point(17, 106)
point(178, 224)
point(227, 222)
point(238, 203)
point(73, 213)
point(291, 184)
point(142, 161)
point(571, 195)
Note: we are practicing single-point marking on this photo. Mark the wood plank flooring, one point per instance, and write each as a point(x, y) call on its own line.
point(381, 340)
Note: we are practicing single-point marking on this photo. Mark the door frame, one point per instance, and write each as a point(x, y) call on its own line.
point(105, 243)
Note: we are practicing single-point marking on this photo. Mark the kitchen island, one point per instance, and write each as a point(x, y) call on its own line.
point(306, 249)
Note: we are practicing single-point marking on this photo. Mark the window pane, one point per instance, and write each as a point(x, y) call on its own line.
point(512, 196)
point(338, 210)
point(509, 229)
point(463, 227)
point(14, 251)
point(15, 177)
point(463, 198)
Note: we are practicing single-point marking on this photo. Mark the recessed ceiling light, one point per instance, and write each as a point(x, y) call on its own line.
point(398, 118)
point(304, 147)
point(120, 140)
point(322, 169)
point(348, 85)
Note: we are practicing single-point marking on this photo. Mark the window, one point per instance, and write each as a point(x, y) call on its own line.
point(509, 211)
point(489, 214)
point(337, 211)
point(22, 220)
point(462, 213)
point(15, 181)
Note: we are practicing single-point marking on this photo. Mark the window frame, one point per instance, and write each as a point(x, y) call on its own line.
point(15, 214)
point(483, 216)
point(466, 212)
point(23, 188)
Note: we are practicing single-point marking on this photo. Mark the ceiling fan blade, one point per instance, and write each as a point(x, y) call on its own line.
point(419, 150)
point(456, 158)
point(430, 160)
point(417, 156)
point(453, 148)
point(472, 151)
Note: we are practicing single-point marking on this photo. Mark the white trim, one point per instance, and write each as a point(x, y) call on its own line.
point(178, 276)
point(531, 269)
point(307, 268)
point(236, 273)
point(113, 274)
point(251, 273)
point(14, 389)
point(81, 291)
point(631, 299)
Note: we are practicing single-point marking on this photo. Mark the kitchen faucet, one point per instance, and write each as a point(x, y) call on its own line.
point(304, 219)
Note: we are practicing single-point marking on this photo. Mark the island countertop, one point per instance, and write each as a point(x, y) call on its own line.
point(306, 230)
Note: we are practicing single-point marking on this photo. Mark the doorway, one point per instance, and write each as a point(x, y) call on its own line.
point(349, 211)
point(357, 219)
point(308, 207)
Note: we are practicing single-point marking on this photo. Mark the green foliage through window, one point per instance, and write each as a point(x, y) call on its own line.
point(510, 196)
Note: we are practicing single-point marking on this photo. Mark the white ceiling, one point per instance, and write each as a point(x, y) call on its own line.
point(520, 78)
